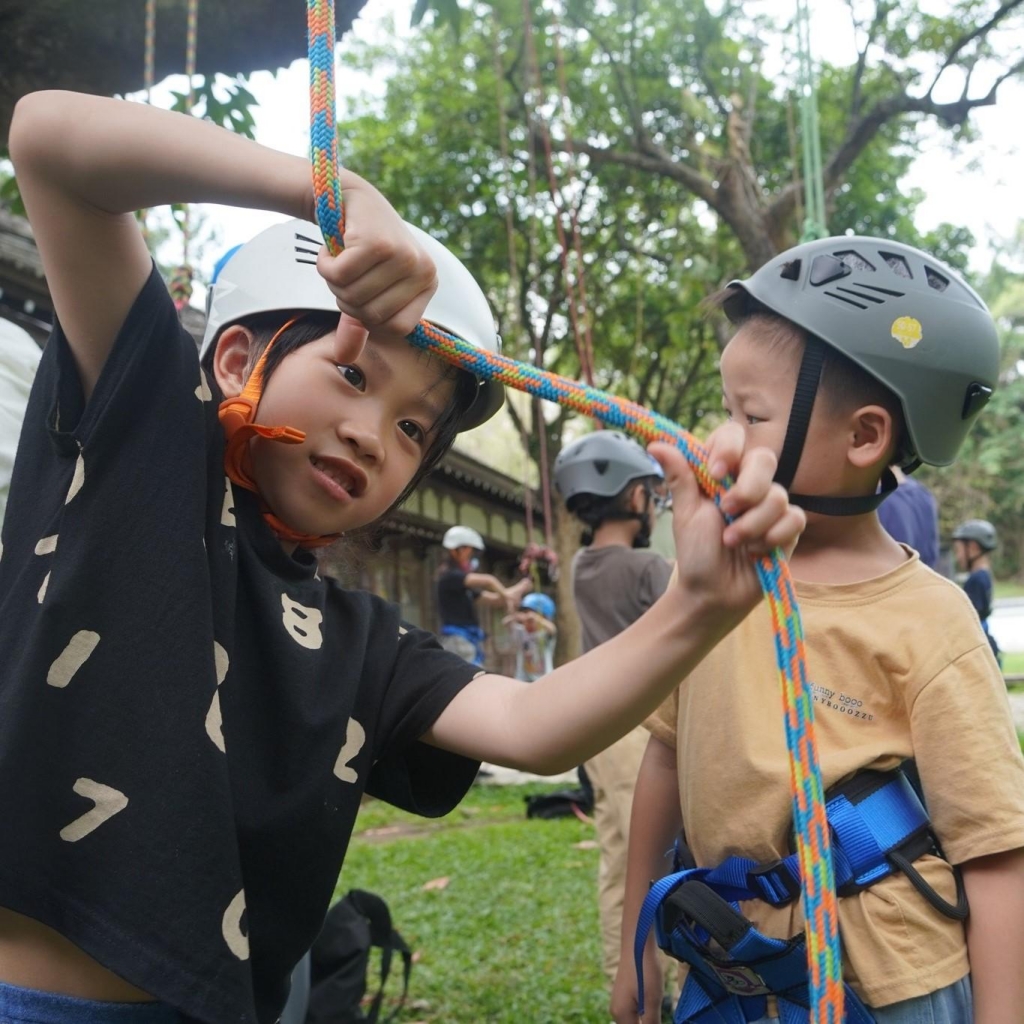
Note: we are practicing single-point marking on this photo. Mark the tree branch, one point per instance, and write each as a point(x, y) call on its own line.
point(628, 99)
point(952, 115)
point(653, 160)
point(866, 127)
point(882, 9)
point(969, 37)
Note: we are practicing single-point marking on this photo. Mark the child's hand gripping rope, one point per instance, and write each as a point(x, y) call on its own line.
point(818, 889)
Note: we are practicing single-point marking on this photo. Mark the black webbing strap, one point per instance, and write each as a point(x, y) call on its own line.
point(848, 506)
point(800, 414)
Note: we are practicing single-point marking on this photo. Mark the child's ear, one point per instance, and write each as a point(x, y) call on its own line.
point(871, 437)
point(637, 498)
point(231, 360)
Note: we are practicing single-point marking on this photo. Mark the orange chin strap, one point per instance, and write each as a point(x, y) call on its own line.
point(237, 416)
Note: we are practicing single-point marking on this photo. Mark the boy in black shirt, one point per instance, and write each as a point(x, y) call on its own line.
point(189, 714)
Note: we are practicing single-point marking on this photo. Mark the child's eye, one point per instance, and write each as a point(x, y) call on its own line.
point(354, 376)
point(412, 430)
point(754, 420)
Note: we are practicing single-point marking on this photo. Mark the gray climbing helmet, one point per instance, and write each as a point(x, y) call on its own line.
point(602, 464)
point(898, 313)
point(979, 530)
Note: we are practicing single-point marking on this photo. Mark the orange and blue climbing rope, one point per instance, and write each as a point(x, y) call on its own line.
point(813, 848)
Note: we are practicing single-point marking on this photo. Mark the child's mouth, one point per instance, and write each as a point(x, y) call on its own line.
point(342, 478)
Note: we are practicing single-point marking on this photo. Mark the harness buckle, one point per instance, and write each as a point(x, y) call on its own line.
point(774, 882)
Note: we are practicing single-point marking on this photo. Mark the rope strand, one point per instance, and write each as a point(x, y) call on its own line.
point(812, 840)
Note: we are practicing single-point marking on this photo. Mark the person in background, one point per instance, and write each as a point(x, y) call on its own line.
point(614, 488)
point(973, 540)
point(19, 357)
point(460, 587)
point(534, 634)
point(910, 515)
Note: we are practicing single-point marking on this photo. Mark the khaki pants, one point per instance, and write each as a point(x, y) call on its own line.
point(613, 775)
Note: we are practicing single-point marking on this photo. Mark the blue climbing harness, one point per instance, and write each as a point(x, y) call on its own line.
point(878, 826)
point(472, 634)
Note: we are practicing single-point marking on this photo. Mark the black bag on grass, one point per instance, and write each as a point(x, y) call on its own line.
point(341, 955)
point(564, 803)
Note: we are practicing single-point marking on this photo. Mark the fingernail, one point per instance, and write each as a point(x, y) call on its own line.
point(718, 469)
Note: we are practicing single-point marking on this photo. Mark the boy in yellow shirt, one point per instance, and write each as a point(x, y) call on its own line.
point(850, 355)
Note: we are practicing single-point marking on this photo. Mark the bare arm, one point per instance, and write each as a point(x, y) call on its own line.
point(995, 936)
point(486, 582)
point(579, 709)
point(85, 164)
point(654, 824)
point(494, 592)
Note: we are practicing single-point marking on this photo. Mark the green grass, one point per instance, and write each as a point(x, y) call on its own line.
point(1013, 663)
point(513, 937)
point(1008, 588)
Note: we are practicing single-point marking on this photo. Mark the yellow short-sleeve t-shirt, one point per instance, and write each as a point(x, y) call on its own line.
point(900, 668)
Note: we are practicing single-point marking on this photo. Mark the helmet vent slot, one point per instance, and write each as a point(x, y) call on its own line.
point(936, 280)
point(897, 264)
point(854, 260)
point(302, 251)
point(881, 290)
point(860, 295)
point(848, 301)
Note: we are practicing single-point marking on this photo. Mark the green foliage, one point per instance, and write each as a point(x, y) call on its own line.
point(987, 480)
point(10, 196)
point(227, 103)
point(675, 150)
point(647, 258)
point(446, 12)
point(513, 936)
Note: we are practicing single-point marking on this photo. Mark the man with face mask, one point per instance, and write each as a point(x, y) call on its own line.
point(615, 489)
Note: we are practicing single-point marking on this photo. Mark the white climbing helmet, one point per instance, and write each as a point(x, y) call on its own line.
point(462, 537)
point(276, 270)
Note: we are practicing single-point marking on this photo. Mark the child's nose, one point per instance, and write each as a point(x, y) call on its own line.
point(364, 437)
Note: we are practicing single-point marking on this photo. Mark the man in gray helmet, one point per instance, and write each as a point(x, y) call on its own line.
point(615, 489)
point(850, 355)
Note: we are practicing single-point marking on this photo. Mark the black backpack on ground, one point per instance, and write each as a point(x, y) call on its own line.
point(341, 955)
point(563, 803)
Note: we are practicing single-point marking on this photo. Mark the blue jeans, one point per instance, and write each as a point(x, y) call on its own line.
point(951, 1005)
point(27, 1006)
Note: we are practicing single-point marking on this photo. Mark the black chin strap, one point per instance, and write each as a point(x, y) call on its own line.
point(800, 414)
point(848, 506)
point(807, 382)
point(643, 537)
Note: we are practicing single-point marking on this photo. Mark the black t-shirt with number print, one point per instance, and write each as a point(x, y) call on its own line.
point(188, 716)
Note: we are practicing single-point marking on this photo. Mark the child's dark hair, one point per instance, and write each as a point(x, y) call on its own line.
point(594, 509)
point(843, 386)
point(312, 326)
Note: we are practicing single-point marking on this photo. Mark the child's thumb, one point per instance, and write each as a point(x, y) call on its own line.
point(679, 478)
point(349, 339)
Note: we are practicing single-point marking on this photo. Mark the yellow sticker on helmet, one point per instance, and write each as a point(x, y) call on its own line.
point(907, 331)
